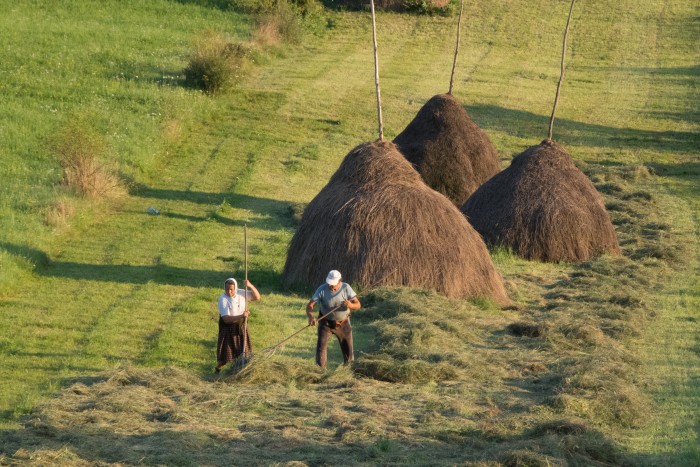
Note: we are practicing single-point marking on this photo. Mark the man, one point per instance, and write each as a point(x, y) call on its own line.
point(338, 299)
point(234, 337)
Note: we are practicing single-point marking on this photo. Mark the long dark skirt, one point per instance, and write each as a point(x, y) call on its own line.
point(231, 341)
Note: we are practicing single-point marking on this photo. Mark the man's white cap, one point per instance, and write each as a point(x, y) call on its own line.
point(230, 280)
point(333, 277)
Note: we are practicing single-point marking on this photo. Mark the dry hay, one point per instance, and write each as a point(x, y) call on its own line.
point(543, 208)
point(572, 426)
point(379, 224)
point(528, 329)
point(384, 367)
point(262, 369)
point(420, 336)
point(452, 154)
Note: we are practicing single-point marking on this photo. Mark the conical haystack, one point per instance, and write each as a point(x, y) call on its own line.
point(543, 208)
point(379, 224)
point(452, 154)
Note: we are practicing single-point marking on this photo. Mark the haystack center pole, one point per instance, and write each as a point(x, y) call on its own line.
point(561, 75)
point(376, 75)
point(459, 29)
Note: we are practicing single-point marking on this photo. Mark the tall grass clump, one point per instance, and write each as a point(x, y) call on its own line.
point(216, 63)
point(58, 213)
point(285, 21)
point(278, 24)
point(81, 151)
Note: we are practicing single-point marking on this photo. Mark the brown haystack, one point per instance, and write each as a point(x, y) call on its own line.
point(452, 154)
point(379, 224)
point(543, 208)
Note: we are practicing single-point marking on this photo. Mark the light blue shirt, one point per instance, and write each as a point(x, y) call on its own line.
point(329, 300)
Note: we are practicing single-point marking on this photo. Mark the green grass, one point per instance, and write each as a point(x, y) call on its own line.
point(113, 312)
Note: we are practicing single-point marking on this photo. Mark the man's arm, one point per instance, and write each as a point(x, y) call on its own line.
point(310, 313)
point(353, 303)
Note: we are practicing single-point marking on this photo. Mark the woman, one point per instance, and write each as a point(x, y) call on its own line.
point(234, 337)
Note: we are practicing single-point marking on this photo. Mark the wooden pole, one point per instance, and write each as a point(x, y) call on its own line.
point(459, 29)
point(376, 74)
point(245, 256)
point(561, 75)
point(245, 293)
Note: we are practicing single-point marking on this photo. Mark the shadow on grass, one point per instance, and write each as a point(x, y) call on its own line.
point(277, 213)
point(223, 5)
point(221, 219)
point(159, 274)
point(134, 274)
point(680, 170)
point(568, 132)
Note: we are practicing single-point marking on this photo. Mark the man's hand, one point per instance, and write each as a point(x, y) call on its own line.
point(310, 313)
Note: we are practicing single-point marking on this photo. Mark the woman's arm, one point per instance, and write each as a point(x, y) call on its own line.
point(253, 291)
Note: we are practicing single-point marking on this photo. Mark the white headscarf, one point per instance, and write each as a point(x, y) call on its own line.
point(235, 284)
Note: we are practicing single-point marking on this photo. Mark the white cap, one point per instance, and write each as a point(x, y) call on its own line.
point(229, 280)
point(333, 277)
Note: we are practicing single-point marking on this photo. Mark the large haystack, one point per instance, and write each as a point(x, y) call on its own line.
point(544, 208)
point(379, 224)
point(452, 154)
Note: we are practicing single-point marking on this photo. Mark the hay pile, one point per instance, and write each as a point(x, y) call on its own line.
point(452, 154)
point(379, 224)
point(544, 208)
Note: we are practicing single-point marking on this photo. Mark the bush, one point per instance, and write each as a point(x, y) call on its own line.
point(286, 21)
point(215, 63)
point(420, 7)
point(79, 150)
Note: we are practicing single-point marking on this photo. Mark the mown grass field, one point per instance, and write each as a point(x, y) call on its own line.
point(107, 312)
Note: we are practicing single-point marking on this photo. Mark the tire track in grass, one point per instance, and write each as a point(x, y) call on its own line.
point(671, 347)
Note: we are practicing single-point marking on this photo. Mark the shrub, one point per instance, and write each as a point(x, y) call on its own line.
point(79, 150)
point(215, 63)
point(281, 21)
point(420, 7)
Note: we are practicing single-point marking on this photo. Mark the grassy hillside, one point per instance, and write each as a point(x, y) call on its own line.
point(108, 312)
